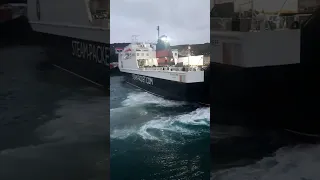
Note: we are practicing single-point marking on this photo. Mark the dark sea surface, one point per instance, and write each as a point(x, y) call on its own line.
point(53, 125)
point(251, 154)
point(154, 138)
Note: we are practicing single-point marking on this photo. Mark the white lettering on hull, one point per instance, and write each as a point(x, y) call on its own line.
point(143, 79)
point(92, 52)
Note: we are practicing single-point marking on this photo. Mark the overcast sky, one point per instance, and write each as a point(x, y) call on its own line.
point(184, 21)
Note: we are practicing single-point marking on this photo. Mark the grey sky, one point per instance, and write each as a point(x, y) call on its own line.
point(183, 21)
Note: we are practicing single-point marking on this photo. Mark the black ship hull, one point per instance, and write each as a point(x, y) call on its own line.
point(253, 96)
point(15, 31)
point(172, 90)
point(87, 59)
point(115, 72)
point(279, 97)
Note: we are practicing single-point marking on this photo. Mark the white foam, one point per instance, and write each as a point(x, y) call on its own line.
point(154, 127)
point(295, 163)
point(165, 126)
point(141, 98)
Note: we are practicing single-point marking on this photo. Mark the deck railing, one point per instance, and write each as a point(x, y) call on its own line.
point(171, 68)
point(244, 24)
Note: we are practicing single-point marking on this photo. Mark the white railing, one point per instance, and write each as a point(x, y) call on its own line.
point(168, 69)
point(244, 25)
point(225, 24)
point(222, 24)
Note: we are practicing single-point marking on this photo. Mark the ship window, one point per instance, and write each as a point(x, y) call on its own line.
point(147, 54)
point(137, 54)
point(175, 54)
point(142, 54)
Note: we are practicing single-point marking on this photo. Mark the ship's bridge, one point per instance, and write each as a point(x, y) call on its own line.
point(142, 54)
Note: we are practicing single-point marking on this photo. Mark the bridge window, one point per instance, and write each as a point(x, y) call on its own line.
point(147, 54)
point(137, 54)
point(142, 54)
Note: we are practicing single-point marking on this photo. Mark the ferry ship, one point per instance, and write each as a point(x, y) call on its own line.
point(158, 69)
point(264, 71)
point(75, 34)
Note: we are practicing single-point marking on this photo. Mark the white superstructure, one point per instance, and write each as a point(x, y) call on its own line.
point(256, 49)
point(260, 40)
point(140, 59)
point(81, 19)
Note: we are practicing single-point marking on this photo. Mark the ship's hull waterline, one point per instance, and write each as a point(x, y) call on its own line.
point(171, 90)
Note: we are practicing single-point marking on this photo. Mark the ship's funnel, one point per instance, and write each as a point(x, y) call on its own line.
point(163, 51)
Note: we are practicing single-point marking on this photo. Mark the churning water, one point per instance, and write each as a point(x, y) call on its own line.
point(154, 138)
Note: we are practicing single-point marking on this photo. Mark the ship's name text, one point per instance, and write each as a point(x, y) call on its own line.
point(143, 79)
point(92, 52)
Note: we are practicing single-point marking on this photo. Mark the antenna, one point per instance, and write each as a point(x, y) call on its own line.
point(158, 29)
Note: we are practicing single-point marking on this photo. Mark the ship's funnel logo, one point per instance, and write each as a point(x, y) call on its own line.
point(38, 9)
point(98, 12)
